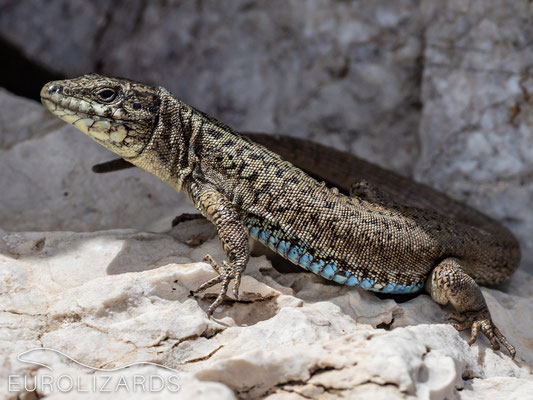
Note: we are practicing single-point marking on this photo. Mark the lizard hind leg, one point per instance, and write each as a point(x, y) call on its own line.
point(370, 192)
point(448, 283)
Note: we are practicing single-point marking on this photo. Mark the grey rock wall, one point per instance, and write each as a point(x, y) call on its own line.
point(440, 90)
point(342, 74)
point(476, 130)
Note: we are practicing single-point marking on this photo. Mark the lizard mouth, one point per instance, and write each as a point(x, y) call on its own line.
point(60, 101)
point(96, 126)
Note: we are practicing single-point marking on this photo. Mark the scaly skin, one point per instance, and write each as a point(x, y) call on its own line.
point(373, 239)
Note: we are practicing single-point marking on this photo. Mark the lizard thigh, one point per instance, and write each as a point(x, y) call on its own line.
point(370, 192)
point(449, 283)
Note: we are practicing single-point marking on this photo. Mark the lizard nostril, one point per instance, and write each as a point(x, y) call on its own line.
point(55, 89)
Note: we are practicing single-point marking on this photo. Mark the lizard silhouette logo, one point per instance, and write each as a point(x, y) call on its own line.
point(90, 379)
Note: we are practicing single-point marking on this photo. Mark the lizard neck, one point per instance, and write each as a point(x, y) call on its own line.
point(170, 153)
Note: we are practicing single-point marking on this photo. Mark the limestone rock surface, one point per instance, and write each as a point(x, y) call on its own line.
point(81, 295)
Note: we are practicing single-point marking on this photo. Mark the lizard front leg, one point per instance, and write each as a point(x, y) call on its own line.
point(232, 233)
point(449, 283)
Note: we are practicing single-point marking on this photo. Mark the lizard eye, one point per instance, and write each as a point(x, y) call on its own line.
point(106, 95)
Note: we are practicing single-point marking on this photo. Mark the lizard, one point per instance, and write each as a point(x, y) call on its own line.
point(387, 235)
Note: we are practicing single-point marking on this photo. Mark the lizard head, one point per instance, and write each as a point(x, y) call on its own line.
point(117, 113)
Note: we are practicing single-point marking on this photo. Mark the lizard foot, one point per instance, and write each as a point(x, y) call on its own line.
point(226, 272)
point(448, 283)
point(480, 321)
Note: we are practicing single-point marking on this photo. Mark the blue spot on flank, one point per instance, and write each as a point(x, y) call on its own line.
point(263, 236)
point(294, 254)
point(283, 247)
point(254, 231)
point(352, 281)
point(389, 288)
point(340, 279)
point(329, 271)
point(399, 289)
point(367, 284)
point(273, 242)
point(411, 288)
point(316, 266)
point(305, 260)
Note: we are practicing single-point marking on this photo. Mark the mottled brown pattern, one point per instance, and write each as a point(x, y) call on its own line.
point(240, 185)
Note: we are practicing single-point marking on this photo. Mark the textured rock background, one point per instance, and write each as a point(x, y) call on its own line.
point(476, 130)
point(342, 74)
point(438, 90)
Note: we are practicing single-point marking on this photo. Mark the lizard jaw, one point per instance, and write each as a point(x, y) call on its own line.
point(112, 133)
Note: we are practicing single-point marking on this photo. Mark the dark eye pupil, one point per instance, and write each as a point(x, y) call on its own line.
point(107, 95)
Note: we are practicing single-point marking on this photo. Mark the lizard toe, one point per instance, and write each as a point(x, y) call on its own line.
point(461, 326)
point(211, 261)
point(503, 340)
point(481, 322)
point(226, 272)
point(237, 284)
point(208, 284)
point(225, 280)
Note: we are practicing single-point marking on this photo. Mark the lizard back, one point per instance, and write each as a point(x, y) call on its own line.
point(346, 239)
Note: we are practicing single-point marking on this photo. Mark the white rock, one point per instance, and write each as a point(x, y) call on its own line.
point(267, 344)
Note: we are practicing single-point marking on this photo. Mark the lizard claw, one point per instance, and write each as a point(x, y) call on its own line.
point(226, 273)
point(480, 321)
